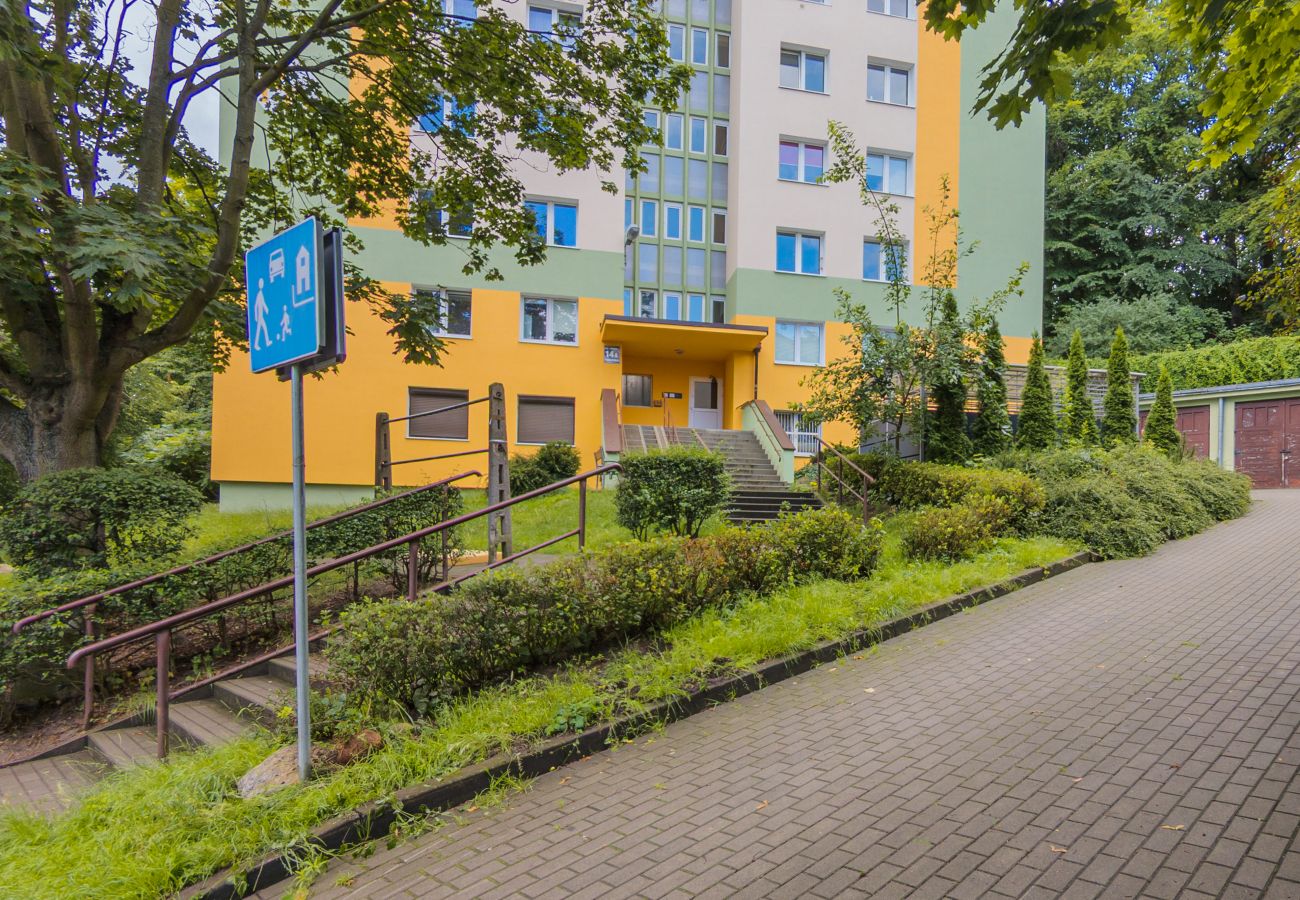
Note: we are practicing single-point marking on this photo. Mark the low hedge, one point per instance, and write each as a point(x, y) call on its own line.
point(956, 532)
point(675, 490)
point(914, 485)
point(418, 655)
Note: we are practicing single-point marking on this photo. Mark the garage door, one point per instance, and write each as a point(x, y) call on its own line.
point(1268, 442)
point(1194, 425)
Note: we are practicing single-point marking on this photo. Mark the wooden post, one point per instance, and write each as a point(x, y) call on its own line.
point(383, 452)
point(499, 531)
point(162, 678)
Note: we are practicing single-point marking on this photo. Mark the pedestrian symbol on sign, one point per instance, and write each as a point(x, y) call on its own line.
point(283, 278)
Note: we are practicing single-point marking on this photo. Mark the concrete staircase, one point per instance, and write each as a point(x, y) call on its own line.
point(209, 717)
point(757, 491)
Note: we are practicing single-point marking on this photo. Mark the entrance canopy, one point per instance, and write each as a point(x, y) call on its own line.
point(682, 340)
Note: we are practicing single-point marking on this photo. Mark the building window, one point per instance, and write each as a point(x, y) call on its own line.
point(543, 420)
point(677, 42)
point(719, 226)
point(557, 222)
point(673, 221)
point(805, 435)
point(699, 132)
point(453, 311)
point(441, 223)
point(549, 321)
point(647, 268)
point(638, 390)
point(719, 305)
point(900, 8)
point(651, 119)
point(799, 343)
point(648, 308)
point(695, 307)
point(446, 426)
point(887, 174)
point(883, 261)
point(461, 9)
point(446, 112)
point(673, 131)
point(649, 218)
point(696, 261)
point(799, 252)
point(695, 224)
point(554, 24)
point(722, 52)
point(801, 162)
point(700, 46)
point(889, 84)
point(721, 132)
point(672, 305)
point(803, 70)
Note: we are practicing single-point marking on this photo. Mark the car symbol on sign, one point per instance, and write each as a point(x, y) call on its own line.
point(276, 264)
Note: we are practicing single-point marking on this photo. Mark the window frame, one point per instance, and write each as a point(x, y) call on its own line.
point(695, 34)
point(888, 158)
point(411, 391)
point(713, 228)
point(668, 235)
point(668, 131)
point(649, 223)
point(798, 325)
point(690, 223)
point(718, 38)
point(803, 54)
point(887, 68)
point(571, 402)
point(801, 164)
point(723, 128)
point(551, 203)
point(882, 245)
point(682, 29)
point(549, 340)
point(704, 135)
point(799, 237)
point(909, 9)
point(649, 391)
point(444, 305)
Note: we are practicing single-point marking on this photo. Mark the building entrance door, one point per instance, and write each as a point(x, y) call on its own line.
point(706, 403)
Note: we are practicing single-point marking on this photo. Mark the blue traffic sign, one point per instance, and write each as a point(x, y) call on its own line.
point(285, 304)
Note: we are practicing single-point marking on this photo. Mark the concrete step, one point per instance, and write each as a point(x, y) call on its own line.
point(48, 785)
point(254, 697)
point(208, 721)
point(125, 747)
point(284, 668)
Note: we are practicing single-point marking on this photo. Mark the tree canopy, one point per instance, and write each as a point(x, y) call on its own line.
point(120, 237)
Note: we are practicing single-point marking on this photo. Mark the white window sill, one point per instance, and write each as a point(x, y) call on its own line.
point(801, 181)
point(805, 91)
point(420, 437)
point(541, 443)
point(872, 12)
point(804, 274)
point(452, 337)
point(548, 343)
point(892, 104)
point(801, 365)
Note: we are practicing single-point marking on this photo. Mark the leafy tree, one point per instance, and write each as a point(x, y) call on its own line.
point(880, 380)
point(1079, 421)
point(1153, 324)
point(991, 430)
point(1162, 421)
point(1118, 420)
point(946, 440)
point(1036, 427)
point(121, 237)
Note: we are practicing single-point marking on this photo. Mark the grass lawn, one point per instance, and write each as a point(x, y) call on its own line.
point(155, 828)
point(217, 530)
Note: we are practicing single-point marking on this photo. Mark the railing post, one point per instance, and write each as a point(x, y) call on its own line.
point(446, 555)
point(864, 498)
point(413, 570)
point(383, 452)
point(88, 676)
point(163, 644)
point(499, 530)
point(582, 514)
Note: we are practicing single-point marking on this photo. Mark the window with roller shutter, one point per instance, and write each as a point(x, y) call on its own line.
point(545, 419)
point(448, 426)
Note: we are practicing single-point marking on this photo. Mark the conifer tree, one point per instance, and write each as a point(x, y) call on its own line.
point(1037, 426)
point(946, 440)
point(1118, 421)
point(1162, 421)
point(1079, 421)
point(991, 430)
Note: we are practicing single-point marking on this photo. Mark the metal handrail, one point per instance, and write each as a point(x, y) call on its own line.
point(841, 483)
point(442, 409)
point(161, 630)
point(226, 554)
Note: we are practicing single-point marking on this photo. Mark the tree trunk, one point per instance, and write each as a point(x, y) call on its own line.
point(60, 428)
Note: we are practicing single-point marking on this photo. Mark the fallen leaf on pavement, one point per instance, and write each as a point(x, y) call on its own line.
point(1058, 849)
point(868, 690)
point(472, 809)
point(565, 780)
point(762, 805)
point(1173, 827)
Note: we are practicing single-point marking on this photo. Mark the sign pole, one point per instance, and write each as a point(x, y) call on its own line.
point(300, 624)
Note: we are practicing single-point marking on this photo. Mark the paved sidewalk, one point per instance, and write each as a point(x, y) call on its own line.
point(1125, 729)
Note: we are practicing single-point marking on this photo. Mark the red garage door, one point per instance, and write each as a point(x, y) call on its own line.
point(1268, 442)
point(1194, 424)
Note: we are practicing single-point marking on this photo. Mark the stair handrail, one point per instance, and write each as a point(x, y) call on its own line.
point(161, 630)
point(841, 483)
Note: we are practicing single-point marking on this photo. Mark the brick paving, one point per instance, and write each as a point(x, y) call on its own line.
point(1127, 729)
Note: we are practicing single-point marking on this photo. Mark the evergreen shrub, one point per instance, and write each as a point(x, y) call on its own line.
point(675, 490)
point(956, 532)
point(415, 656)
point(913, 485)
point(551, 463)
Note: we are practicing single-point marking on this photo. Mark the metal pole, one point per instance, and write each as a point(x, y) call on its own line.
point(88, 676)
point(300, 624)
point(163, 684)
point(582, 514)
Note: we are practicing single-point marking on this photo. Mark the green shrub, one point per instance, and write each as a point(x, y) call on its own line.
point(1163, 488)
point(1241, 362)
point(89, 518)
point(674, 490)
point(419, 655)
point(1161, 429)
point(551, 463)
point(956, 532)
point(1097, 511)
point(1118, 417)
point(916, 485)
point(1036, 423)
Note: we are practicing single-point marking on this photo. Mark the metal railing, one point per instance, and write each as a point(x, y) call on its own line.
point(88, 605)
point(161, 631)
point(854, 483)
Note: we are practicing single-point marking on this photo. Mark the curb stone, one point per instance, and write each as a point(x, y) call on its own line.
point(375, 820)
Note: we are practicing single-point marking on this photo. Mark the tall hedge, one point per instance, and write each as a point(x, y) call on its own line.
point(1118, 419)
point(1162, 421)
point(1036, 429)
point(1079, 420)
point(991, 430)
point(1241, 362)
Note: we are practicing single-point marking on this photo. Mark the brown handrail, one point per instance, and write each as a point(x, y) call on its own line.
point(161, 630)
point(226, 554)
point(441, 409)
point(841, 484)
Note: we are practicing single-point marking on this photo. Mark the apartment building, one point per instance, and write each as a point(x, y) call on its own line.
point(709, 283)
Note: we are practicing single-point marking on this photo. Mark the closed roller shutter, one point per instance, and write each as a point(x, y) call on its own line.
point(452, 425)
point(545, 419)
